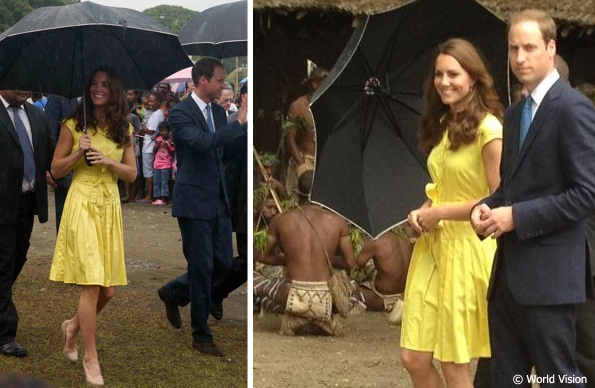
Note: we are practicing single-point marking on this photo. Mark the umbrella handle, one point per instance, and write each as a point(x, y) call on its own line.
point(87, 159)
point(266, 177)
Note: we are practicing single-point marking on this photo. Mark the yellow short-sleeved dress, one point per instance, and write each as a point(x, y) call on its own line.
point(445, 297)
point(90, 244)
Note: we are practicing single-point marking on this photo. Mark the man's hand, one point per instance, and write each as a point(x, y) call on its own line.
point(243, 113)
point(493, 222)
point(50, 180)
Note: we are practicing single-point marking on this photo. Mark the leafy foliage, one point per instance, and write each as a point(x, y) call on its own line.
point(267, 159)
point(260, 240)
point(356, 239)
point(295, 122)
point(171, 16)
point(260, 195)
point(11, 11)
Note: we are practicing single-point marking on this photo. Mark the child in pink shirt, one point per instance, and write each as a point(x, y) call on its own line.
point(164, 151)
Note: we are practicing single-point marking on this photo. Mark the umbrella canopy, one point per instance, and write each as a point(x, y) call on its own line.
point(368, 168)
point(55, 49)
point(218, 32)
point(184, 75)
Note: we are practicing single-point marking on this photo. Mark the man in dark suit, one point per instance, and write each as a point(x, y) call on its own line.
point(538, 213)
point(236, 181)
point(26, 153)
point(200, 201)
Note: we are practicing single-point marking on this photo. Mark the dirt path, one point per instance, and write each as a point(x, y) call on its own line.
point(365, 356)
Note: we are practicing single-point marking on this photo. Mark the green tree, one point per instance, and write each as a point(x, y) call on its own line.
point(11, 11)
point(171, 16)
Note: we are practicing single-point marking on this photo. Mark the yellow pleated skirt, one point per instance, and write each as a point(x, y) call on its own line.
point(90, 244)
point(445, 297)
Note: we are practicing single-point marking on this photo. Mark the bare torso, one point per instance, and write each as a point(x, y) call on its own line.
point(305, 139)
point(305, 257)
point(391, 255)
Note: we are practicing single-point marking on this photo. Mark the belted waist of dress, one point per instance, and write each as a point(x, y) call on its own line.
point(103, 184)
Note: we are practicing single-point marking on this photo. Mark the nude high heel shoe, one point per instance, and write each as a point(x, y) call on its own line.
point(72, 356)
point(93, 381)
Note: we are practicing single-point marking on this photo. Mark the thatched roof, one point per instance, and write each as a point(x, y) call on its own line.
point(578, 12)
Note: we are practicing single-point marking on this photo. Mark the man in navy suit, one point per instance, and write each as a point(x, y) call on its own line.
point(538, 214)
point(200, 202)
point(26, 150)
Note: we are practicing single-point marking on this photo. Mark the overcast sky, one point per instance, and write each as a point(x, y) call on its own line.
point(141, 5)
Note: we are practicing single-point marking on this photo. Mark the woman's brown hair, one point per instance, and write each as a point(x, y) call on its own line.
point(482, 99)
point(116, 109)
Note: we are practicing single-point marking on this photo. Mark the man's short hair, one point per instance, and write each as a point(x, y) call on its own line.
point(205, 67)
point(305, 181)
point(546, 24)
point(244, 88)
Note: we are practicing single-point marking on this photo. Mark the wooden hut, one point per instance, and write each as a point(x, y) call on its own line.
point(288, 32)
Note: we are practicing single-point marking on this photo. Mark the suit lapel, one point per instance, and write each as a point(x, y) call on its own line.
point(6, 123)
point(537, 124)
point(200, 115)
point(219, 117)
point(512, 139)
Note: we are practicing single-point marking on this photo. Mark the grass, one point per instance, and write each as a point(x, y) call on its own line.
point(137, 347)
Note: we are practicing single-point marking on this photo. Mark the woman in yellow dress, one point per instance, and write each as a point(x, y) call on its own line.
point(445, 314)
point(90, 246)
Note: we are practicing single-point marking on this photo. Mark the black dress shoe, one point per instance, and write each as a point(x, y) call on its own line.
point(171, 309)
point(217, 308)
point(207, 348)
point(13, 349)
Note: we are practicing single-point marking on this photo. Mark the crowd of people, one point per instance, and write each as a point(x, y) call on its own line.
point(84, 149)
point(496, 264)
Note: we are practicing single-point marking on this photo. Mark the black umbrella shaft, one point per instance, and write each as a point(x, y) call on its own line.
point(81, 41)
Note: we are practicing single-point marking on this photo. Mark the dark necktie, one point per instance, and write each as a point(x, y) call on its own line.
point(25, 145)
point(525, 120)
point(209, 120)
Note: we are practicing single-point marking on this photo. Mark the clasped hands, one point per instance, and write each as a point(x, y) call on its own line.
point(94, 155)
point(492, 222)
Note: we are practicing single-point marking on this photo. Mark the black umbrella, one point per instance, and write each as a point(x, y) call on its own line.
point(218, 32)
point(368, 168)
point(55, 49)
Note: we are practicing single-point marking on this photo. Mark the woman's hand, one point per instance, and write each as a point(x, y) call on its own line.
point(424, 219)
point(98, 157)
point(84, 144)
point(413, 219)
